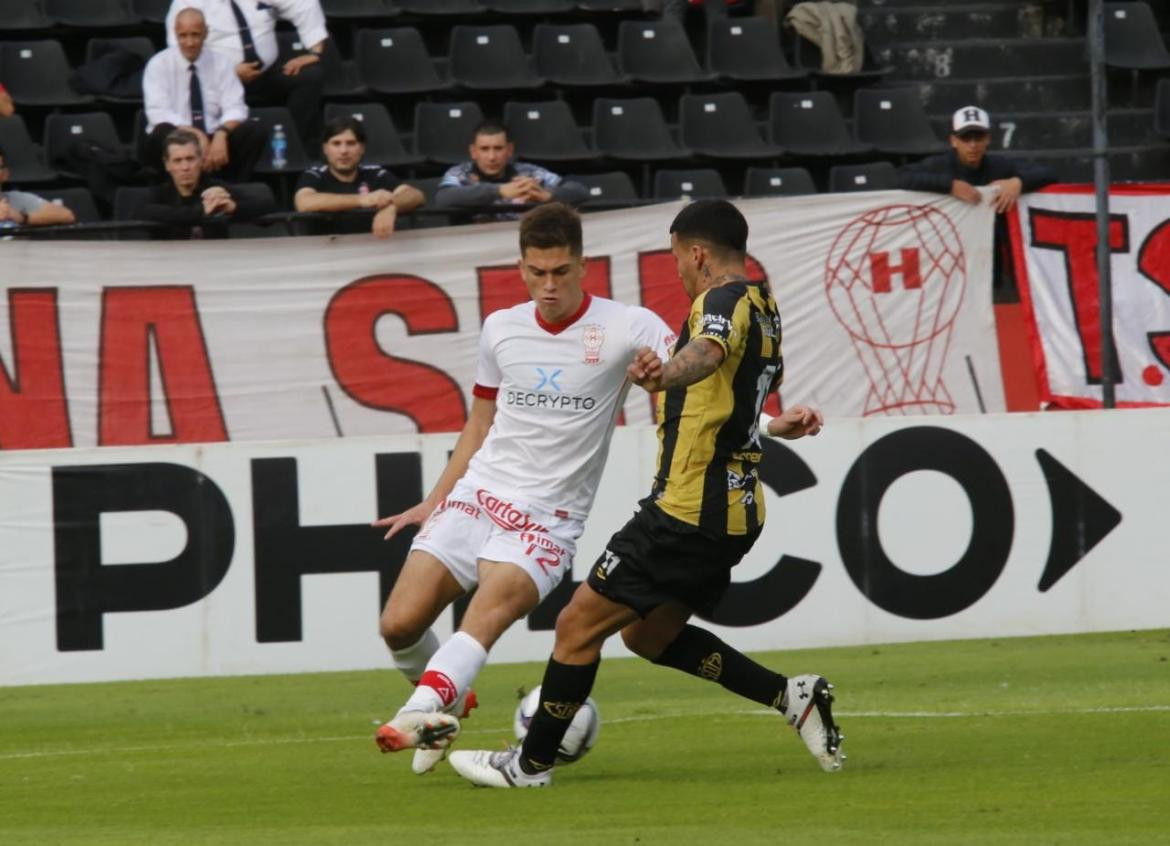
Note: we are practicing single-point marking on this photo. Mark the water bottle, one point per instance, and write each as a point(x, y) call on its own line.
point(279, 147)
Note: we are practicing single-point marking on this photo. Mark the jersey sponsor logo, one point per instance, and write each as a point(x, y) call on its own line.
point(737, 481)
point(717, 324)
point(539, 399)
point(544, 550)
point(548, 377)
point(505, 515)
point(769, 325)
point(606, 565)
point(458, 505)
point(593, 336)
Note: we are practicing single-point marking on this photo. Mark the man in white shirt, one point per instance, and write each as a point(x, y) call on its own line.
point(188, 87)
point(507, 511)
point(244, 32)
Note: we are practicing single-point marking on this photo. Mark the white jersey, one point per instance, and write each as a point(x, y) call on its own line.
point(558, 390)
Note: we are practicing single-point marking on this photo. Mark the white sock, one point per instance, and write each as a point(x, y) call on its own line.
point(449, 673)
point(412, 661)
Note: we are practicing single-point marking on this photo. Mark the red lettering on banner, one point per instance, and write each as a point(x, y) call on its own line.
point(881, 270)
point(132, 320)
point(1154, 264)
point(1075, 235)
point(34, 413)
point(372, 377)
point(502, 286)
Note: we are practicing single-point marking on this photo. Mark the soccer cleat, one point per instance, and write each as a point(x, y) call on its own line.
point(807, 707)
point(418, 730)
point(426, 760)
point(484, 768)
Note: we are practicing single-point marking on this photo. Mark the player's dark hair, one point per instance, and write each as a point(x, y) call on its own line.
point(491, 126)
point(337, 125)
point(179, 138)
point(550, 226)
point(717, 223)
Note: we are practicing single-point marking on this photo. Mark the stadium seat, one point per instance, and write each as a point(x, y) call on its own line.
point(295, 158)
point(490, 58)
point(721, 126)
point(442, 131)
point(572, 55)
point(62, 130)
point(1132, 39)
point(530, 7)
point(808, 57)
point(139, 45)
point(152, 11)
point(747, 49)
point(23, 16)
point(428, 185)
point(358, 8)
point(91, 13)
point(440, 7)
point(383, 144)
point(809, 123)
point(395, 61)
point(77, 200)
point(128, 199)
point(633, 129)
point(341, 77)
point(873, 176)
point(892, 120)
point(658, 52)
point(546, 132)
point(613, 188)
point(36, 73)
point(1162, 108)
point(610, 5)
point(680, 184)
point(777, 182)
point(26, 162)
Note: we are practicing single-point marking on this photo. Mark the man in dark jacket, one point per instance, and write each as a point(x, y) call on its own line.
point(968, 165)
point(190, 203)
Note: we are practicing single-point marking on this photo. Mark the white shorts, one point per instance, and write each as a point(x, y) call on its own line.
point(473, 523)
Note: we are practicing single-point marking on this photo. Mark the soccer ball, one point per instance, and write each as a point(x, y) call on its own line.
point(580, 737)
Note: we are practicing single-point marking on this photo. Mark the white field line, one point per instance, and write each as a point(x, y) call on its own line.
point(759, 712)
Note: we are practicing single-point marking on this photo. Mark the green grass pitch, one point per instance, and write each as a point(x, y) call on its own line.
point(1054, 740)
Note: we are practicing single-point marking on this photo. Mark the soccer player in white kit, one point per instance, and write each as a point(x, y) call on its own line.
point(507, 510)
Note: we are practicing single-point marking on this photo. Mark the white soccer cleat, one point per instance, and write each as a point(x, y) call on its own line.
point(426, 760)
point(808, 708)
point(484, 768)
point(418, 730)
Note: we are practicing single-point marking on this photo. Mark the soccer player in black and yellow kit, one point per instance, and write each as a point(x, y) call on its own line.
point(706, 509)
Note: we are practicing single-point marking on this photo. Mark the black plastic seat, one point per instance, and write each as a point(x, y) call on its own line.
point(87, 13)
point(441, 7)
point(25, 160)
point(443, 131)
point(721, 126)
point(747, 49)
point(777, 182)
point(614, 188)
point(128, 200)
point(152, 11)
point(25, 15)
point(383, 144)
point(395, 61)
point(872, 176)
point(358, 8)
point(892, 120)
point(530, 7)
point(657, 51)
point(490, 58)
point(62, 130)
point(139, 45)
point(1162, 108)
point(77, 200)
point(572, 55)
point(1132, 39)
point(36, 73)
point(610, 5)
point(810, 123)
point(633, 129)
point(341, 76)
point(295, 158)
point(695, 184)
point(546, 132)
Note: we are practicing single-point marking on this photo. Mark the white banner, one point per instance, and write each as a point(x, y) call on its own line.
point(1054, 239)
point(885, 299)
point(148, 562)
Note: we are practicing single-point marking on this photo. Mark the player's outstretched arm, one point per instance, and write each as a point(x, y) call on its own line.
point(475, 430)
point(795, 422)
point(693, 363)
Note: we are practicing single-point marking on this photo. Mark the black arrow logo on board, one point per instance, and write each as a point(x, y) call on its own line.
point(1081, 518)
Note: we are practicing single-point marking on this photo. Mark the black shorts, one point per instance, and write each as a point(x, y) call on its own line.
point(655, 559)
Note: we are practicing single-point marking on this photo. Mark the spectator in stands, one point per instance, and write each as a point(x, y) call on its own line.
point(492, 178)
point(190, 203)
point(19, 208)
point(344, 184)
point(7, 108)
point(244, 31)
point(968, 166)
point(188, 87)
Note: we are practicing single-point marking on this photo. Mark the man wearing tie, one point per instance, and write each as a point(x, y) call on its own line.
point(187, 87)
point(244, 32)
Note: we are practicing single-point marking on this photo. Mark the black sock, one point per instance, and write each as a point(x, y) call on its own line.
point(700, 653)
point(564, 688)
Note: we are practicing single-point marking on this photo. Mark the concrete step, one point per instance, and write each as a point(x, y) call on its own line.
point(947, 22)
point(1126, 164)
point(1063, 130)
point(985, 58)
point(1021, 94)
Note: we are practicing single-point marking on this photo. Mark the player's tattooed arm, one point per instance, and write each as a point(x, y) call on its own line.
point(693, 363)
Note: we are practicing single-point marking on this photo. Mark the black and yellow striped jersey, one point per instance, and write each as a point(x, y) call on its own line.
point(709, 433)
